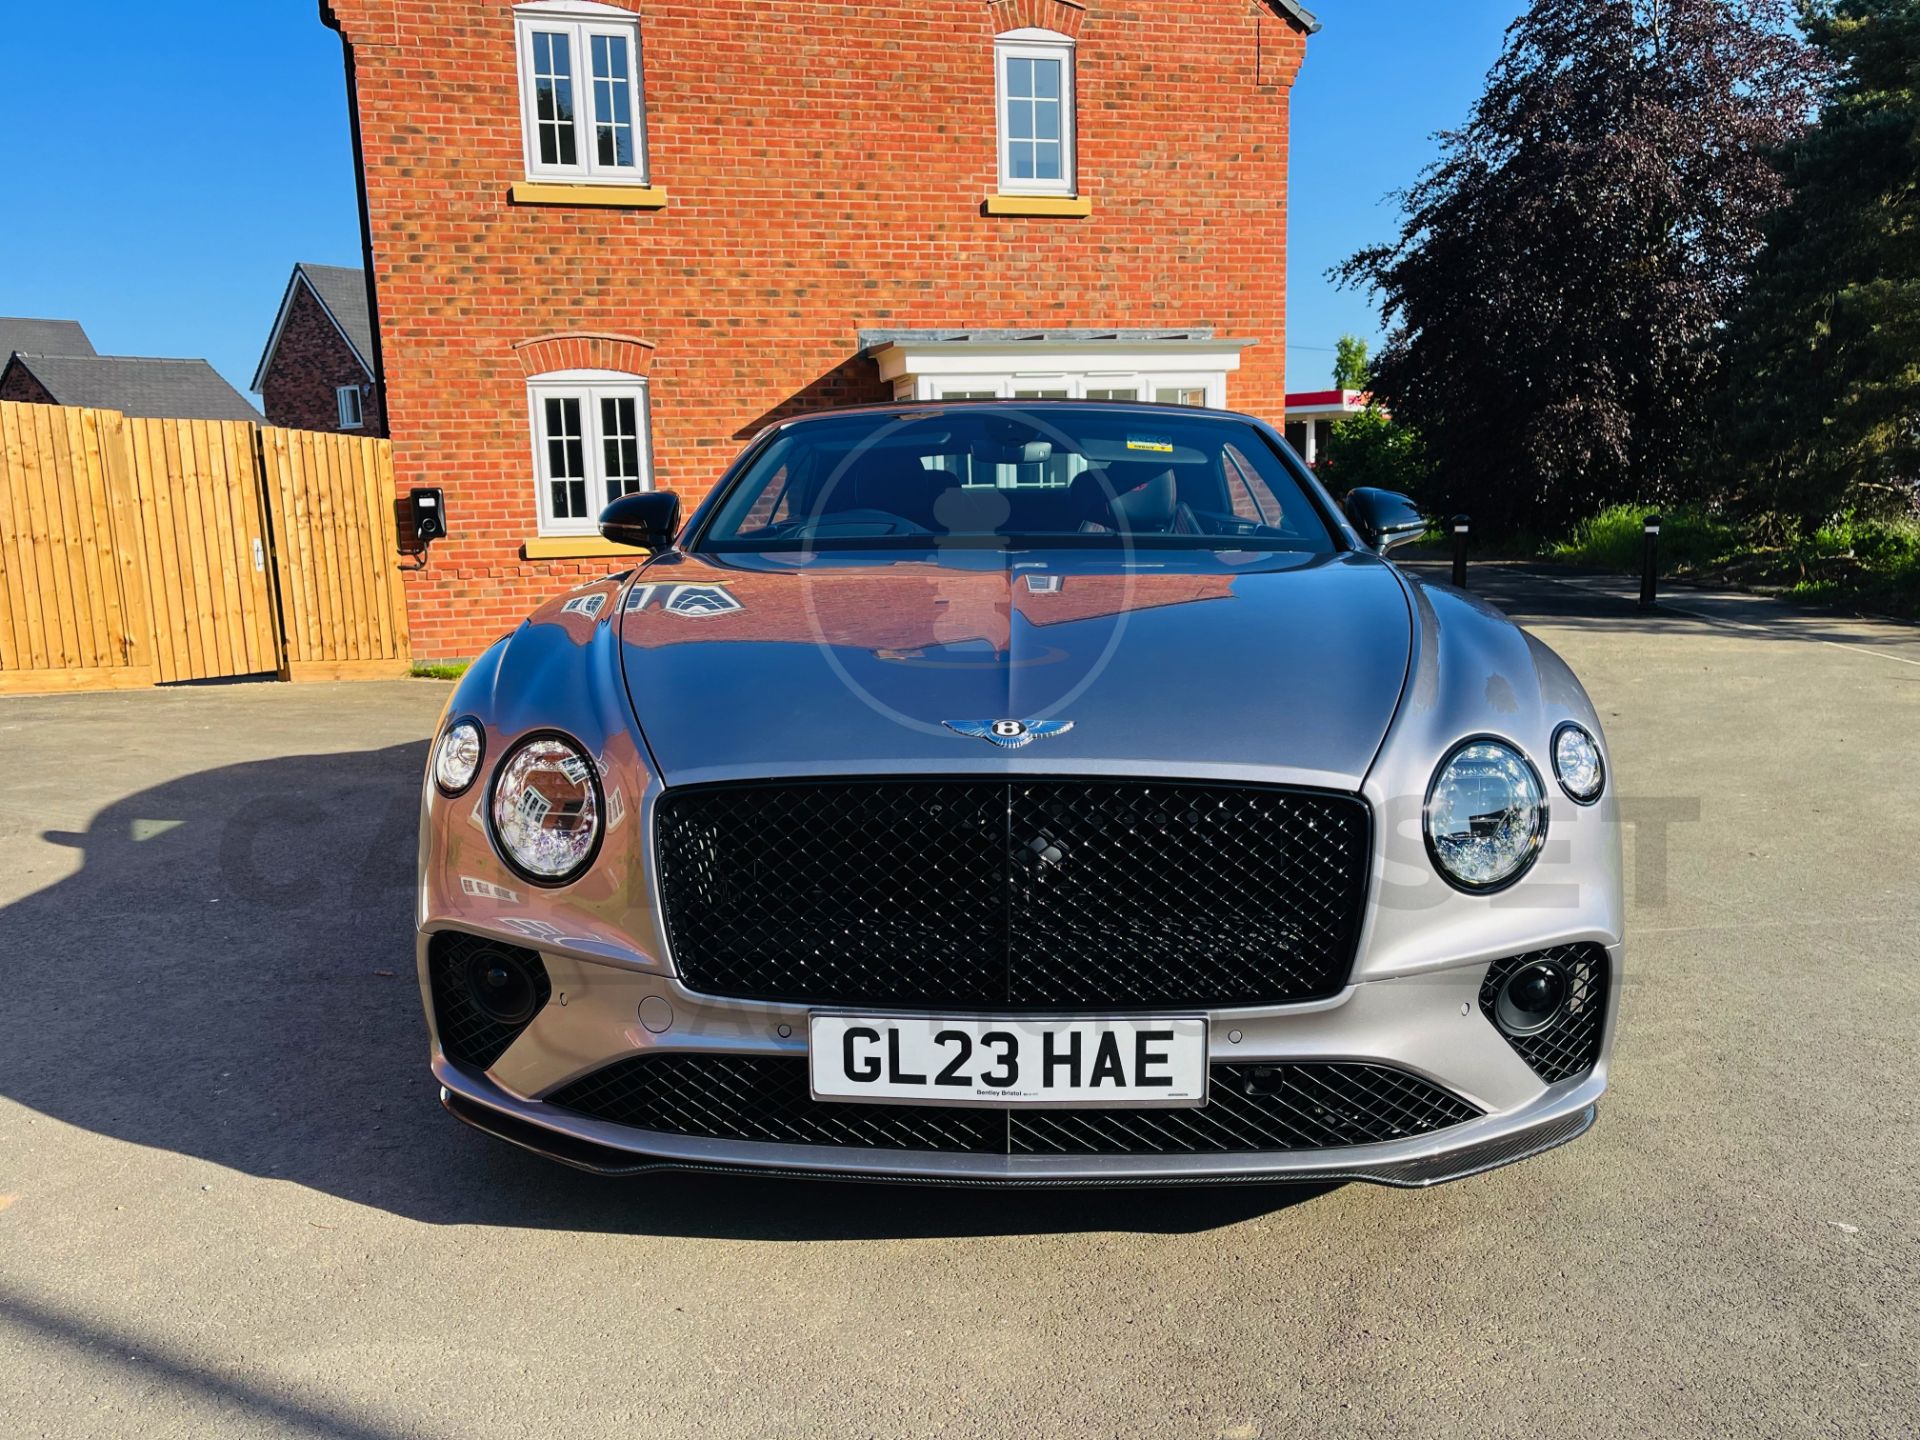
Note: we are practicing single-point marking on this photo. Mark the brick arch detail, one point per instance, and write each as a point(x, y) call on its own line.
point(1064, 16)
point(584, 350)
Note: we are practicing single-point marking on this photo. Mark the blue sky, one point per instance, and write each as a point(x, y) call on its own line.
point(1380, 78)
point(166, 211)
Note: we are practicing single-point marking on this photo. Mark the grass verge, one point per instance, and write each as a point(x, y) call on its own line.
point(1853, 561)
point(440, 670)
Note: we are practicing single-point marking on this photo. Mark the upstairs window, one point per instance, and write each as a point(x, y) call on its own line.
point(347, 399)
point(591, 445)
point(1035, 87)
point(580, 96)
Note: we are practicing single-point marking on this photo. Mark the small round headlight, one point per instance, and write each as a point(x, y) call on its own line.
point(1576, 761)
point(546, 809)
point(457, 758)
point(1486, 815)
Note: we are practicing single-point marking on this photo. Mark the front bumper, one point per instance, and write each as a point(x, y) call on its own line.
point(1411, 1164)
point(1429, 1024)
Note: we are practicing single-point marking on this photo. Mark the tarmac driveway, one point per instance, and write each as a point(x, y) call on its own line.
point(229, 1203)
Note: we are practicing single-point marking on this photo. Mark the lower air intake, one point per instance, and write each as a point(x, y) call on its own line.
point(476, 1020)
point(1571, 1044)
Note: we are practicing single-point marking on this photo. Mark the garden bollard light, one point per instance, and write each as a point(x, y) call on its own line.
point(1460, 526)
point(1650, 563)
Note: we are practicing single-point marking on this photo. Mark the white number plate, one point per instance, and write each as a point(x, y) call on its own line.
point(1133, 1061)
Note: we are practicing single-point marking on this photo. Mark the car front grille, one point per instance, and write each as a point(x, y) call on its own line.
point(1250, 1108)
point(1571, 1044)
point(1012, 895)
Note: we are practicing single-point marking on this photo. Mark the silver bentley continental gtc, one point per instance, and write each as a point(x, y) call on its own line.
point(1021, 793)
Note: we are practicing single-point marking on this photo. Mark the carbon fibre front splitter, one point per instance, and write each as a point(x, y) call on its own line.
point(1363, 1164)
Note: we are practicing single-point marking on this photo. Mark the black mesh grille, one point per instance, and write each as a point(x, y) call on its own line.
point(1571, 1045)
point(1250, 1108)
point(467, 1033)
point(1012, 895)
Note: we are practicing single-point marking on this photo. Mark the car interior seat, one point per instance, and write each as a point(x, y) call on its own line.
point(1144, 499)
point(889, 482)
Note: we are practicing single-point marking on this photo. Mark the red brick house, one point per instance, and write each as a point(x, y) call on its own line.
point(610, 241)
point(317, 372)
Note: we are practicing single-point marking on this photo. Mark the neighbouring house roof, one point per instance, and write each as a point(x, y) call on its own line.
point(42, 337)
point(1299, 14)
point(342, 293)
point(153, 389)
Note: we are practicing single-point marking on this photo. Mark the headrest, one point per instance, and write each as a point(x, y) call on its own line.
point(1132, 474)
point(1090, 489)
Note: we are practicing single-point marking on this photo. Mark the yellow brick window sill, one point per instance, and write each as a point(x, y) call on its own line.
point(1068, 207)
point(615, 197)
point(577, 547)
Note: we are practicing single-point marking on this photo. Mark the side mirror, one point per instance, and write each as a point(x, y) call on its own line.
point(648, 520)
point(1385, 520)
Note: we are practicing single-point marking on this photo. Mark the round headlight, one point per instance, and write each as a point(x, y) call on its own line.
point(457, 759)
point(1576, 761)
point(546, 809)
point(1486, 815)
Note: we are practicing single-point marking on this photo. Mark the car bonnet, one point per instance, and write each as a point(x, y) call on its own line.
point(1284, 667)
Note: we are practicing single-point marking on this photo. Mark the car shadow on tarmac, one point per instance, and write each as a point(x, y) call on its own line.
point(230, 976)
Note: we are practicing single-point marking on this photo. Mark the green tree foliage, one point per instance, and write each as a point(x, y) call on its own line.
point(1562, 269)
point(1370, 448)
point(1350, 368)
point(1821, 407)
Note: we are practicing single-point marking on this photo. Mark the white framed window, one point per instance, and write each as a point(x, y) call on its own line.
point(1180, 392)
point(1175, 369)
point(352, 414)
point(592, 443)
point(1034, 89)
point(582, 106)
point(1041, 387)
point(1197, 388)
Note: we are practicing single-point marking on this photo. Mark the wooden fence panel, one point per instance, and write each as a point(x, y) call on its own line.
point(138, 551)
point(342, 605)
point(73, 607)
point(206, 548)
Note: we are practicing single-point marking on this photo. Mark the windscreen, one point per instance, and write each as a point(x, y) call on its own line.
point(1064, 475)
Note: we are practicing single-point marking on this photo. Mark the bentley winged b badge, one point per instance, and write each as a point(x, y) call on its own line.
point(1009, 734)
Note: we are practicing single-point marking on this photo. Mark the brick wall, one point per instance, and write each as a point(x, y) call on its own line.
point(826, 165)
point(310, 363)
point(17, 383)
